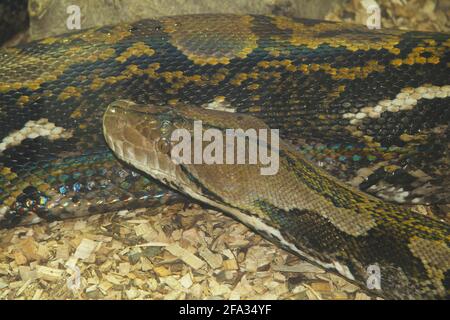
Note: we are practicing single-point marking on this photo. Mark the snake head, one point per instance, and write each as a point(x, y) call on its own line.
point(140, 135)
point(163, 141)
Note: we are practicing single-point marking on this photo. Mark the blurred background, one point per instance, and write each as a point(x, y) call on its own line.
point(25, 20)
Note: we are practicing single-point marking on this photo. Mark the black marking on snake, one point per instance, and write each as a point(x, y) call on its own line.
point(300, 227)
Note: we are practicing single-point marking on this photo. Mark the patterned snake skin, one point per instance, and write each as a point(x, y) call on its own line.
point(300, 207)
point(370, 107)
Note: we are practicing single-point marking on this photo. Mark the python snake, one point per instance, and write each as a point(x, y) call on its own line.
point(370, 107)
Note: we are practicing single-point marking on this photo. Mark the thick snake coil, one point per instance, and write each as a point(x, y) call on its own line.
point(369, 107)
point(300, 207)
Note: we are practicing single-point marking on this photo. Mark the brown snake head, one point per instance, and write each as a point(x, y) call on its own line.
point(301, 208)
point(138, 137)
point(141, 136)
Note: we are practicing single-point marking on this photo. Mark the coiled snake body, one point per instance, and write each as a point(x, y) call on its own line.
point(370, 107)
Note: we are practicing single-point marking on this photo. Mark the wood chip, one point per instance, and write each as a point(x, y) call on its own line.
point(26, 273)
point(350, 288)
point(132, 293)
point(186, 256)
point(79, 225)
point(29, 248)
point(85, 249)
point(311, 293)
point(162, 271)
point(124, 268)
point(62, 252)
point(213, 259)
point(20, 258)
point(301, 267)
point(173, 283)
point(186, 281)
point(258, 257)
point(43, 252)
point(23, 287)
point(37, 294)
point(230, 264)
point(362, 296)
point(146, 265)
point(228, 253)
point(337, 295)
point(218, 289)
point(322, 286)
point(114, 279)
point(143, 229)
point(104, 286)
point(153, 244)
point(173, 295)
point(3, 284)
point(49, 274)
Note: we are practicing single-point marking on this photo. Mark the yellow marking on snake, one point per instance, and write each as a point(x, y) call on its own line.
point(138, 49)
point(240, 45)
point(309, 36)
point(51, 66)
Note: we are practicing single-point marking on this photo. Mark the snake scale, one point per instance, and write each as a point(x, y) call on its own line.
point(369, 107)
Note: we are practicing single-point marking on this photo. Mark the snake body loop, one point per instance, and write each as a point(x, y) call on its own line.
point(300, 207)
point(368, 106)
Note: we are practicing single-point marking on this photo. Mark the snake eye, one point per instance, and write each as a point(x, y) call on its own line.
point(163, 146)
